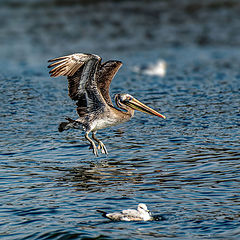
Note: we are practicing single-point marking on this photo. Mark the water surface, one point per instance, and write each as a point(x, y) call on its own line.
point(185, 168)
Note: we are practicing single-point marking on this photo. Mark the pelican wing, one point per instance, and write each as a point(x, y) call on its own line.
point(67, 65)
point(105, 74)
point(82, 85)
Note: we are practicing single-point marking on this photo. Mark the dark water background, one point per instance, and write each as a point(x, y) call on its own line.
point(185, 168)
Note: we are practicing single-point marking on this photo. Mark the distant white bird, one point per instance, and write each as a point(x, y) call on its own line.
point(157, 69)
point(141, 214)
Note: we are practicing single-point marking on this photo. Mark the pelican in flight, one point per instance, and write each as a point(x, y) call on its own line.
point(141, 214)
point(88, 84)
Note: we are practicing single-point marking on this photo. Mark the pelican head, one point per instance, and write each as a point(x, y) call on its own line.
point(133, 103)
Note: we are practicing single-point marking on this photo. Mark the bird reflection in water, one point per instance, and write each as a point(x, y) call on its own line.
point(98, 177)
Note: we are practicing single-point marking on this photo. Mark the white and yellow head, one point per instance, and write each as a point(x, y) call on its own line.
point(133, 103)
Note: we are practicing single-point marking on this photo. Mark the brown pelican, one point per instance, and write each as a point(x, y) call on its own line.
point(141, 214)
point(88, 84)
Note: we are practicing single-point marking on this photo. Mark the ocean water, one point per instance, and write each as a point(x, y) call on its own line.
point(185, 168)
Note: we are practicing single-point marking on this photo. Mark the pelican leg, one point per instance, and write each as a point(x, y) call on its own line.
point(101, 145)
point(95, 151)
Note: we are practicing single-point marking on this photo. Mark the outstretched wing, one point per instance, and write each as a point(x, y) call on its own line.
point(81, 71)
point(105, 74)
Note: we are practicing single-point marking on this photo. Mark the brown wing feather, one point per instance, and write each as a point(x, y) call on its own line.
point(105, 74)
point(68, 65)
point(80, 70)
point(73, 84)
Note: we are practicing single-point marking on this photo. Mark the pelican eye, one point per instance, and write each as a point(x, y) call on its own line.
point(129, 98)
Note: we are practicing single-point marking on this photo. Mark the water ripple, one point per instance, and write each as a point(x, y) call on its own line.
point(185, 168)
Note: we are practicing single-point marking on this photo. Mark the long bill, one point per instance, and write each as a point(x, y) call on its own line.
point(137, 105)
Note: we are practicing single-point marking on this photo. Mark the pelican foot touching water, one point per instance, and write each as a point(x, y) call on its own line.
point(100, 144)
point(88, 84)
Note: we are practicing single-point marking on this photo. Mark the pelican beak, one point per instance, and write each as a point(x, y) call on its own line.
point(137, 105)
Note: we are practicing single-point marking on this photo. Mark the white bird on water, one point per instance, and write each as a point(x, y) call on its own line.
point(141, 214)
point(157, 69)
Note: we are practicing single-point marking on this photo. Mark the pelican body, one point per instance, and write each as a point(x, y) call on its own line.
point(88, 84)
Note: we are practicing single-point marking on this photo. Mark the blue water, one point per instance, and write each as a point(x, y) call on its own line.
point(185, 168)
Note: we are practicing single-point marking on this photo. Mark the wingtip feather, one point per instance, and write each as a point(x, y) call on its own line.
point(68, 65)
point(104, 214)
point(58, 58)
point(56, 63)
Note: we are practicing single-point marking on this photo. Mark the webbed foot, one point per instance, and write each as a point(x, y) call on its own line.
point(102, 147)
point(95, 151)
